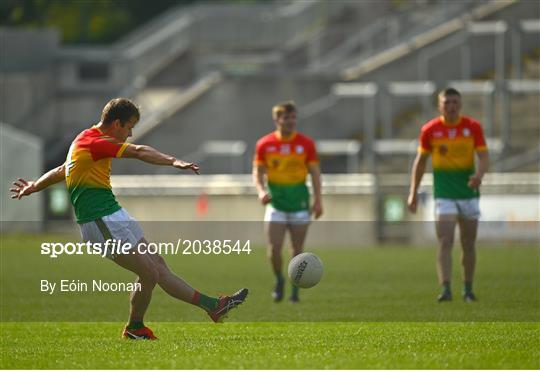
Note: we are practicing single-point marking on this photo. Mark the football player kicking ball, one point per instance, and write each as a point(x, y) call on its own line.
point(453, 140)
point(100, 218)
point(285, 156)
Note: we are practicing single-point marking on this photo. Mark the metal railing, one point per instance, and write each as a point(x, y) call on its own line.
point(386, 32)
point(408, 42)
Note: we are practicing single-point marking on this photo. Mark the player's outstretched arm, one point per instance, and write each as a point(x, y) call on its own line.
point(315, 172)
point(23, 187)
point(418, 170)
point(153, 156)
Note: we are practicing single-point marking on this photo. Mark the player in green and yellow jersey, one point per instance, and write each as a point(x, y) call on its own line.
point(285, 157)
point(87, 175)
point(453, 140)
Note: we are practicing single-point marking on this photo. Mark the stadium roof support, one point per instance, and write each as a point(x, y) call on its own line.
point(368, 92)
point(526, 26)
point(511, 87)
point(498, 30)
point(429, 53)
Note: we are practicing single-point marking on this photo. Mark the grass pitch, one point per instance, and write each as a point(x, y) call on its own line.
point(375, 308)
point(274, 345)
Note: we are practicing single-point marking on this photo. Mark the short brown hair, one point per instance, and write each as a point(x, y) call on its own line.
point(119, 109)
point(449, 91)
point(283, 107)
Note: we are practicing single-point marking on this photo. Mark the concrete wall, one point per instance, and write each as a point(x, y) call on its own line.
point(28, 50)
point(221, 206)
point(347, 220)
point(27, 78)
point(22, 95)
point(21, 155)
point(338, 207)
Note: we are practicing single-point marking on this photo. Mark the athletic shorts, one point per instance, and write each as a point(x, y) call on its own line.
point(466, 208)
point(119, 226)
point(295, 217)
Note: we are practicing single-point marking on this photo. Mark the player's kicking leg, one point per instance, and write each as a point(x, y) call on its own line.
point(152, 270)
point(217, 308)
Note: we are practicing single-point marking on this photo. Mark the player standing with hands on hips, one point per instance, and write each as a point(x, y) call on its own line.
point(282, 161)
point(87, 175)
point(452, 140)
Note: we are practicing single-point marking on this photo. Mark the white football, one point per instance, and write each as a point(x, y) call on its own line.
point(305, 270)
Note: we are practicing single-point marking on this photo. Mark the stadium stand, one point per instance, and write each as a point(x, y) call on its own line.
point(363, 73)
point(324, 113)
point(162, 61)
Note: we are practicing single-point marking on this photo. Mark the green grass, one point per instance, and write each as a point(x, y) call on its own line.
point(375, 308)
point(274, 345)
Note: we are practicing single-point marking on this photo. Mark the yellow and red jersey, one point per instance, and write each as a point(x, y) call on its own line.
point(453, 148)
point(286, 161)
point(88, 174)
